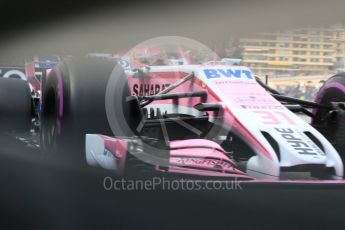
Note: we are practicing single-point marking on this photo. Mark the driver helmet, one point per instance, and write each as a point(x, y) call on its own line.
point(152, 56)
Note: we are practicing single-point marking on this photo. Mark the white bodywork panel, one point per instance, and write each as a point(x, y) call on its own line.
point(256, 111)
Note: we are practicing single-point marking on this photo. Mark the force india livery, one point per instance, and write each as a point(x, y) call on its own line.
point(276, 137)
point(198, 121)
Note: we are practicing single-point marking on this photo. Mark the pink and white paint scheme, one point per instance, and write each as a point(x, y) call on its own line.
point(248, 110)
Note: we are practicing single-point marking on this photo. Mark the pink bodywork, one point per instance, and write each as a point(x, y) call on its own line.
point(164, 78)
point(118, 148)
point(202, 157)
point(196, 157)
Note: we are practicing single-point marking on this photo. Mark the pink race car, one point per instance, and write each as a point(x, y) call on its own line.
point(211, 120)
point(198, 121)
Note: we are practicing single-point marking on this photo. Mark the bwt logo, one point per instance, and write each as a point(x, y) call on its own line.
point(229, 73)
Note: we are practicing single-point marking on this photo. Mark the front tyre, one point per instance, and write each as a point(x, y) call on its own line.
point(332, 123)
point(73, 104)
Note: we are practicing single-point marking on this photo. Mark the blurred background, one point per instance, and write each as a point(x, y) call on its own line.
point(297, 61)
point(296, 44)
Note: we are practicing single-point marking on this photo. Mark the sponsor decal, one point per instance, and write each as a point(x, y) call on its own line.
point(257, 102)
point(13, 72)
point(107, 153)
point(274, 118)
point(266, 107)
point(301, 145)
point(148, 89)
point(210, 163)
point(46, 62)
point(124, 63)
point(228, 73)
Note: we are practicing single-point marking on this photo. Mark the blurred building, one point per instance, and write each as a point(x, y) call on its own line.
point(297, 52)
point(339, 43)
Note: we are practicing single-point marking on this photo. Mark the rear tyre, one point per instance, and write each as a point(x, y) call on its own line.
point(332, 123)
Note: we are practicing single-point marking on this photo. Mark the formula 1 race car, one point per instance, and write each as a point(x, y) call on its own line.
point(199, 121)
